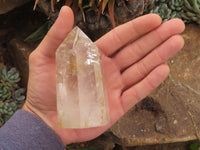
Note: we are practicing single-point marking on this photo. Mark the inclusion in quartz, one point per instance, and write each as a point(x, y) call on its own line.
point(81, 100)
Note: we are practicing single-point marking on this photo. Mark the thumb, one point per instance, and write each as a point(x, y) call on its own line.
point(57, 33)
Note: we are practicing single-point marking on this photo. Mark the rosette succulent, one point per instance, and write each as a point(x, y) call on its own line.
point(11, 95)
point(10, 77)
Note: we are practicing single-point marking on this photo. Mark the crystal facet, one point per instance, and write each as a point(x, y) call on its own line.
point(81, 102)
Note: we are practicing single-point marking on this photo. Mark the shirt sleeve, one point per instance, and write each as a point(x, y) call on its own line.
point(25, 131)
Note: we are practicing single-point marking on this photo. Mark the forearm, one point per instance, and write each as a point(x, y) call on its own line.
point(26, 131)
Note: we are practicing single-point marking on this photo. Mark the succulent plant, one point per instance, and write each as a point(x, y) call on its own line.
point(192, 10)
point(162, 10)
point(167, 9)
point(10, 77)
point(7, 109)
point(5, 92)
point(18, 95)
point(11, 95)
point(176, 5)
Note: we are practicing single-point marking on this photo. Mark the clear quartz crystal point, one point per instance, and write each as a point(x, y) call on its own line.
point(81, 100)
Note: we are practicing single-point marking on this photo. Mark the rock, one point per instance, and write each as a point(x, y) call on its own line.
point(126, 11)
point(81, 101)
point(7, 5)
point(167, 119)
point(18, 55)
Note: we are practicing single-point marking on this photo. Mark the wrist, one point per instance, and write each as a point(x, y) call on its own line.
point(27, 107)
point(42, 116)
point(30, 110)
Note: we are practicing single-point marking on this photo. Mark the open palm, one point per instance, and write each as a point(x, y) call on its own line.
point(130, 74)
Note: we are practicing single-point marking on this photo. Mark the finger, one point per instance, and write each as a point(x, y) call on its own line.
point(125, 33)
point(161, 54)
point(57, 33)
point(139, 48)
point(136, 93)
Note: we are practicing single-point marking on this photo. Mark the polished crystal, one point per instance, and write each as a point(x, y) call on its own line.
point(81, 100)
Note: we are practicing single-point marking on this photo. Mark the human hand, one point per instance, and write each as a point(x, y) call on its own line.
point(130, 74)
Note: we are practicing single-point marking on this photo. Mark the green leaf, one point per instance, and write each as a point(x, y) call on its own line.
point(11, 72)
point(86, 6)
point(40, 33)
point(21, 98)
point(194, 146)
point(4, 71)
point(18, 94)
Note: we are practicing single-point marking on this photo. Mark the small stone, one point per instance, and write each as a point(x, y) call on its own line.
point(175, 122)
point(81, 102)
